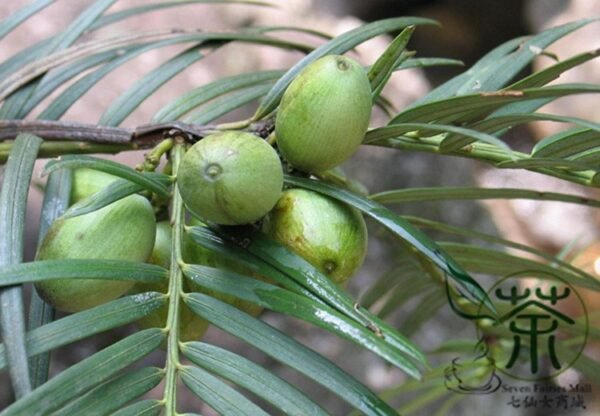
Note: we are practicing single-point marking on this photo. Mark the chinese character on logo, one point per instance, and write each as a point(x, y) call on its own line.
point(535, 321)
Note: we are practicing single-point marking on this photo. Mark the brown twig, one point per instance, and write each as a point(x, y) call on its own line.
point(145, 136)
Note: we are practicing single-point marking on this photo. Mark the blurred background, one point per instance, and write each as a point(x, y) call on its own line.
point(469, 29)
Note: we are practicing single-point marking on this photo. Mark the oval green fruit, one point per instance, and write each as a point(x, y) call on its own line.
point(123, 230)
point(191, 326)
point(327, 233)
point(230, 178)
point(324, 114)
point(87, 182)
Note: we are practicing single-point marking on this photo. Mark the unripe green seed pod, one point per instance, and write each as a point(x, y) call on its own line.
point(230, 178)
point(87, 182)
point(191, 326)
point(123, 230)
point(324, 114)
point(327, 233)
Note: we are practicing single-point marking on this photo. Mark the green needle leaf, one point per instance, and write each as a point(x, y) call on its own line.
point(496, 240)
point(209, 240)
point(226, 104)
point(218, 395)
point(281, 300)
point(396, 130)
point(146, 8)
point(474, 107)
point(385, 65)
point(543, 77)
point(145, 86)
point(142, 408)
point(29, 72)
point(324, 289)
point(81, 269)
point(567, 143)
point(24, 13)
point(401, 196)
point(288, 351)
point(115, 191)
point(148, 182)
point(500, 65)
point(89, 322)
point(485, 260)
point(86, 374)
point(13, 205)
point(499, 123)
point(56, 200)
point(253, 377)
point(59, 77)
point(12, 107)
point(198, 96)
point(110, 396)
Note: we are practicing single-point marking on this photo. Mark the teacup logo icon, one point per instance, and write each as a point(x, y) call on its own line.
point(473, 374)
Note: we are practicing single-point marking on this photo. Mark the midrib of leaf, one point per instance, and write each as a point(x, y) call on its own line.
point(175, 290)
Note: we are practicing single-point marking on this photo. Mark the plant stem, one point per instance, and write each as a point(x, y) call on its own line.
point(175, 291)
point(483, 152)
point(235, 125)
point(152, 158)
point(53, 149)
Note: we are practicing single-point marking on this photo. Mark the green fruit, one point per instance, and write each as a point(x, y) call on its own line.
point(123, 230)
point(161, 253)
point(191, 326)
point(327, 233)
point(230, 178)
point(324, 114)
point(87, 182)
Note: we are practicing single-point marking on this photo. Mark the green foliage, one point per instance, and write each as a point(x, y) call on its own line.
point(466, 117)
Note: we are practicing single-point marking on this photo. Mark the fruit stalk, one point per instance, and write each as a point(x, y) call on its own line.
point(175, 291)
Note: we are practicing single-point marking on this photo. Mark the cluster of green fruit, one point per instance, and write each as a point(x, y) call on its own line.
point(233, 178)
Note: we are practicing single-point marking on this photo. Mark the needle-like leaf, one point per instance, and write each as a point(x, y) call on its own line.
point(56, 200)
point(24, 13)
point(13, 204)
point(148, 182)
point(142, 408)
point(383, 68)
point(288, 351)
point(218, 395)
point(81, 269)
point(252, 377)
point(121, 390)
point(89, 322)
point(86, 374)
point(115, 191)
point(281, 300)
